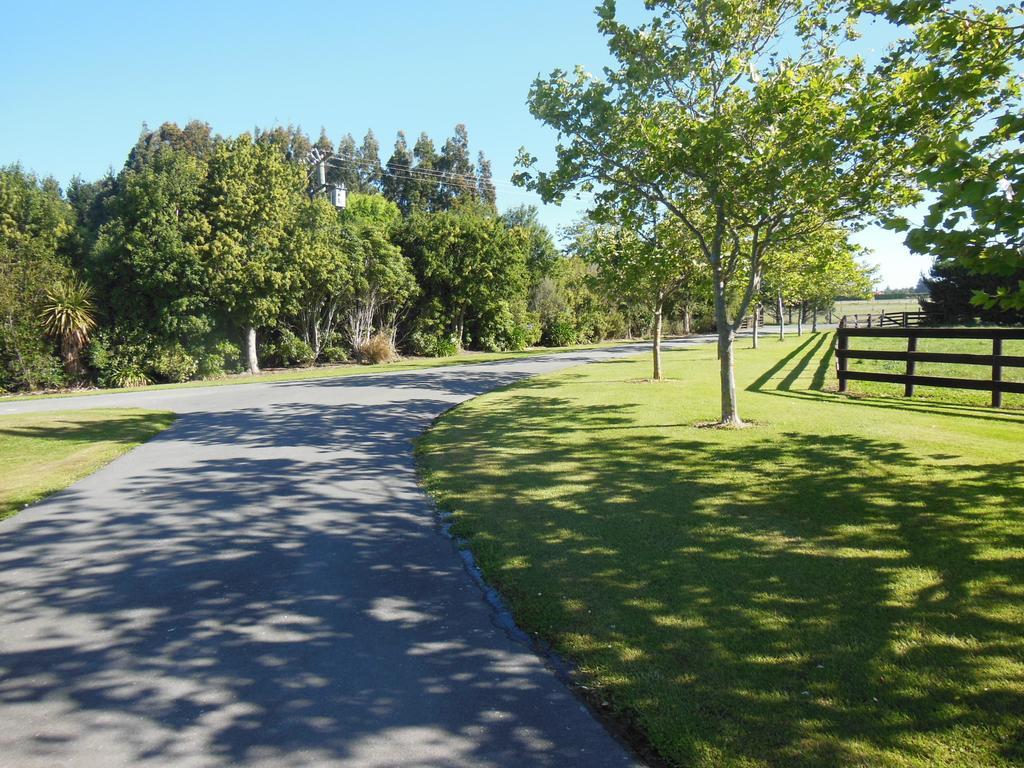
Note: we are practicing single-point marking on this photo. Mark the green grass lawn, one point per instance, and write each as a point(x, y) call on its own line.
point(329, 371)
point(958, 346)
point(841, 584)
point(43, 452)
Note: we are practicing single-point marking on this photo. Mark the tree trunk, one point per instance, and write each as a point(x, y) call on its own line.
point(656, 345)
point(782, 321)
point(755, 326)
point(800, 319)
point(254, 363)
point(814, 320)
point(687, 321)
point(726, 337)
point(460, 328)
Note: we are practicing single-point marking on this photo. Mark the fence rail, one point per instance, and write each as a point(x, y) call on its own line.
point(996, 361)
point(883, 320)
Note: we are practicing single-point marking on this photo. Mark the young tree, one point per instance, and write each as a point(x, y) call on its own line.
point(703, 112)
point(322, 255)
point(69, 316)
point(251, 197)
point(813, 272)
point(646, 260)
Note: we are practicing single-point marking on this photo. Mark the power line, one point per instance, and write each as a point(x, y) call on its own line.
point(439, 175)
point(452, 182)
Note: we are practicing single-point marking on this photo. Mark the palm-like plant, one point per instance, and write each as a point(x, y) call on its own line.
point(69, 316)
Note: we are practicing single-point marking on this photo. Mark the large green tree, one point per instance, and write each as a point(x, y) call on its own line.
point(397, 184)
point(251, 198)
point(472, 272)
point(383, 283)
point(148, 262)
point(36, 230)
point(322, 259)
point(744, 122)
point(458, 181)
point(966, 58)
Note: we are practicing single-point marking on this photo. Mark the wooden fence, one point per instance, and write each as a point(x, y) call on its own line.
point(996, 361)
point(883, 320)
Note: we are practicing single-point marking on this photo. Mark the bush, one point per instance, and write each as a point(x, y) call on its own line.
point(334, 354)
point(510, 328)
point(288, 350)
point(379, 349)
point(28, 362)
point(561, 332)
point(217, 359)
point(433, 345)
point(124, 373)
point(173, 363)
point(120, 361)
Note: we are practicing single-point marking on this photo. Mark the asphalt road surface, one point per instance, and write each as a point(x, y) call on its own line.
point(265, 584)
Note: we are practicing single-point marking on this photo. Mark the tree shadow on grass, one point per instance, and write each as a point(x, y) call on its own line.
point(123, 427)
point(816, 599)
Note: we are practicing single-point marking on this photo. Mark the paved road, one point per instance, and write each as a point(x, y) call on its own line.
point(264, 584)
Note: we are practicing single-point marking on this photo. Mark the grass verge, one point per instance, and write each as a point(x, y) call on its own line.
point(839, 585)
point(44, 452)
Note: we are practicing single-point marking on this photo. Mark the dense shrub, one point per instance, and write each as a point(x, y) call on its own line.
point(510, 330)
point(379, 349)
point(27, 360)
point(288, 350)
point(173, 363)
point(561, 332)
point(218, 358)
point(334, 354)
point(120, 360)
point(433, 345)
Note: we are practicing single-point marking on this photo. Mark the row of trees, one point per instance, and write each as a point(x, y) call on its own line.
point(207, 254)
point(750, 126)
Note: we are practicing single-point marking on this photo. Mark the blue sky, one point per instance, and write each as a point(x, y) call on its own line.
point(81, 78)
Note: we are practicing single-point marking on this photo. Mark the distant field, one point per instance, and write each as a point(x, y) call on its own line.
point(876, 307)
point(863, 307)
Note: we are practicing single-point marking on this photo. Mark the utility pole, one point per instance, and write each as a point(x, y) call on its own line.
point(336, 193)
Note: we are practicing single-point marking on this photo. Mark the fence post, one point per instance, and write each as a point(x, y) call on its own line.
point(842, 340)
point(908, 388)
point(869, 319)
point(997, 373)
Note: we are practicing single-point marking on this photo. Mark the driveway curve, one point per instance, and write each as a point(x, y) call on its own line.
point(264, 584)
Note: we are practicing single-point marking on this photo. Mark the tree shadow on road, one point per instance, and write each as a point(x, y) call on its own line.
point(275, 591)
